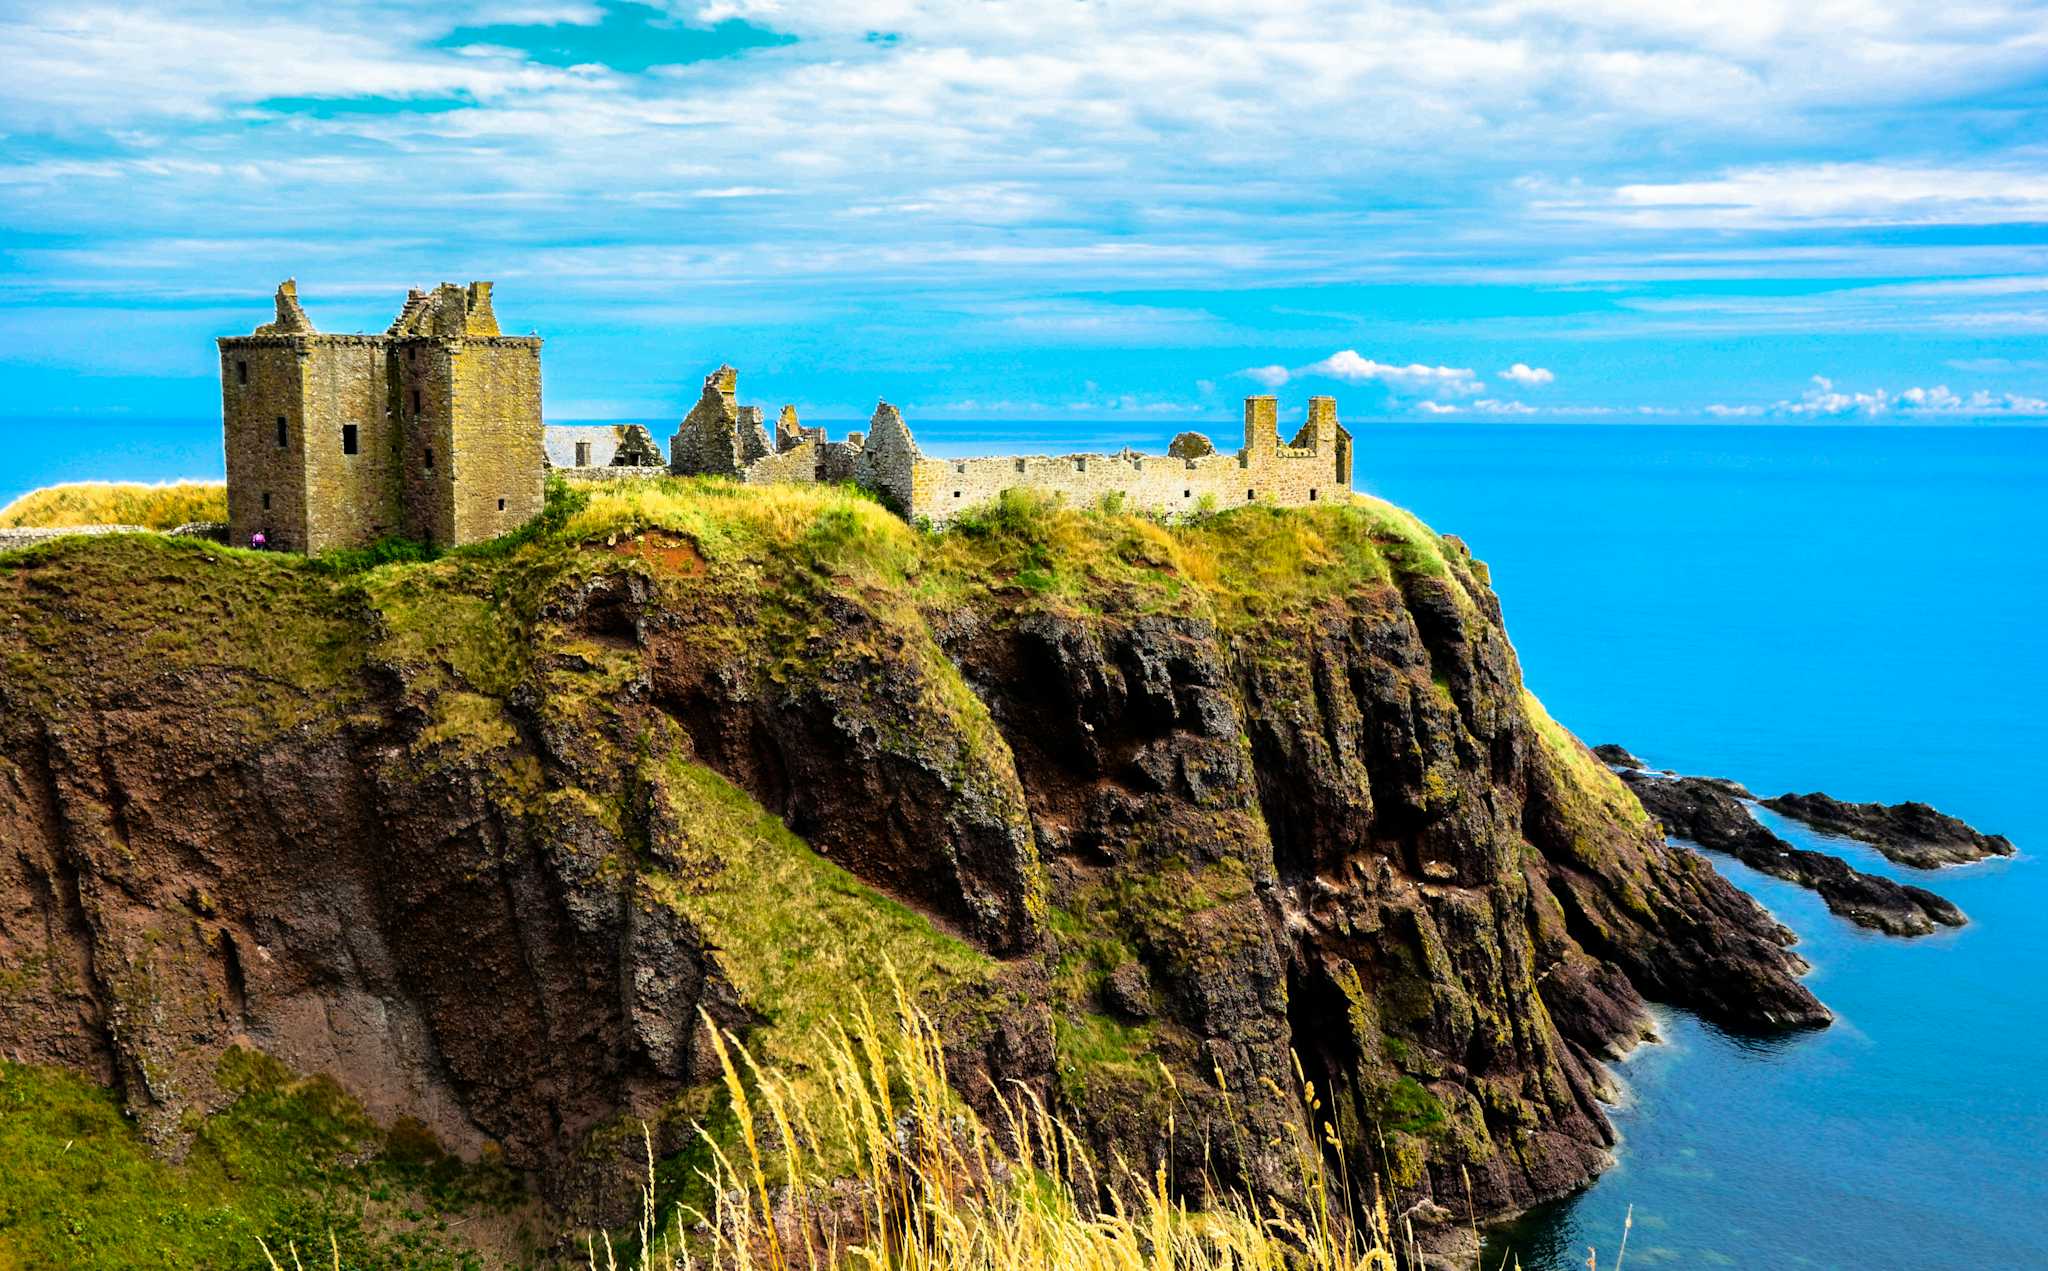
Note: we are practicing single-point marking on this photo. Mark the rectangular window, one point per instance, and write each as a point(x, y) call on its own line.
point(956, 494)
point(348, 439)
point(1248, 494)
point(1187, 494)
point(415, 401)
point(430, 458)
point(266, 500)
point(501, 505)
point(241, 372)
point(1311, 496)
point(583, 454)
point(281, 432)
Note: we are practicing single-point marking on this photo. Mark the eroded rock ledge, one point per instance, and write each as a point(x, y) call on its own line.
point(1908, 833)
point(1703, 811)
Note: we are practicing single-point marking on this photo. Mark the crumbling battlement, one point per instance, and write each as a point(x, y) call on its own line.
point(431, 429)
point(720, 437)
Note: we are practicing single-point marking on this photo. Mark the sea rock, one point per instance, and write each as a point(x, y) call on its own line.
point(1909, 833)
point(1616, 757)
point(1703, 811)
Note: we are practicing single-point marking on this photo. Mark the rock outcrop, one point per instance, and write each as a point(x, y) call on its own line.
point(480, 838)
point(1616, 756)
point(1706, 811)
point(1909, 833)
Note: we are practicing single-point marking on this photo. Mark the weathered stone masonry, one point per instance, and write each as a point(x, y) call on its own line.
point(431, 429)
point(720, 437)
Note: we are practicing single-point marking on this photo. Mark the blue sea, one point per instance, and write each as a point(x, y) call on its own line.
point(1859, 610)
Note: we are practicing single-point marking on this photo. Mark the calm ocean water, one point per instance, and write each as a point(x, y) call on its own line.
point(1855, 609)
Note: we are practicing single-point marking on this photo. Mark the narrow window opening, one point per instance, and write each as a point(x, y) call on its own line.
point(241, 372)
point(1187, 494)
point(960, 468)
point(412, 355)
point(415, 401)
point(281, 432)
point(1080, 465)
point(1311, 496)
point(956, 494)
point(430, 458)
point(348, 439)
point(583, 454)
point(501, 505)
point(266, 500)
point(1020, 465)
point(1248, 494)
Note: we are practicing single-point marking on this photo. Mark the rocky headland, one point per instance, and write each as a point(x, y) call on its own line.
point(1906, 833)
point(1141, 813)
point(1706, 811)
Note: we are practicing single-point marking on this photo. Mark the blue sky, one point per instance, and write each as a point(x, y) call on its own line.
point(1511, 210)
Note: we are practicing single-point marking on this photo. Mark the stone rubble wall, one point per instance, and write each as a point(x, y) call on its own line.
point(618, 472)
point(29, 536)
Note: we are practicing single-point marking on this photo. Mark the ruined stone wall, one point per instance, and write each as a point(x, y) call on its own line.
point(351, 499)
point(261, 383)
point(839, 461)
point(1315, 469)
point(422, 384)
point(497, 468)
point(614, 472)
point(797, 464)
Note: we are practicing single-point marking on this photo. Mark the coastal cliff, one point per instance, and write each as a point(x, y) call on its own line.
point(1139, 812)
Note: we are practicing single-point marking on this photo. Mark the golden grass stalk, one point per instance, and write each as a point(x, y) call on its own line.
point(932, 1188)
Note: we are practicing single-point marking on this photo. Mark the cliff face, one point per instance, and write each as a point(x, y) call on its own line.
point(1137, 811)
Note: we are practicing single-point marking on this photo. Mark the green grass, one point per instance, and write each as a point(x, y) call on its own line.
point(156, 507)
point(289, 1162)
point(803, 940)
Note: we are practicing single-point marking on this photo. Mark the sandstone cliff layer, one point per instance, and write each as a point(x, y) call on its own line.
point(1141, 812)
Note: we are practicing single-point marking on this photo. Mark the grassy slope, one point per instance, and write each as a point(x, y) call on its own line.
point(289, 1163)
point(467, 627)
point(156, 507)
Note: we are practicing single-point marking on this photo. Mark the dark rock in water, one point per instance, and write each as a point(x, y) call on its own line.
point(1701, 809)
point(1614, 756)
point(1908, 833)
point(1726, 786)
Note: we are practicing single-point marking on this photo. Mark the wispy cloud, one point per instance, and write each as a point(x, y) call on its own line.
point(982, 199)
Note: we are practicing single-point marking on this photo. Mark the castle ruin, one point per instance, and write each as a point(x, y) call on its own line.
point(719, 437)
point(431, 430)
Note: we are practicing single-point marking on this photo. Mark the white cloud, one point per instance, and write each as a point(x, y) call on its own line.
point(1522, 373)
point(1437, 408)
point(1823, 400)
point(1349, 366)
point(1271, 376)
point(1493, 407)
point(1781, 196)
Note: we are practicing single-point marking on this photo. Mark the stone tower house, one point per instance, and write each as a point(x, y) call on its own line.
point(431, 430)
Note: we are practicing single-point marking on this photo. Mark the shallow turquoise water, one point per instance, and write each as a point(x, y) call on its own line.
point(1858, 610)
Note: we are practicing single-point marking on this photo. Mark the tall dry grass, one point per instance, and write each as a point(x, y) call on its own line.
point(917, 1181)
point(155, 507)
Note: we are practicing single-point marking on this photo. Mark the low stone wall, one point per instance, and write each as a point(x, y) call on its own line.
point(611, 474)
point(27, 537)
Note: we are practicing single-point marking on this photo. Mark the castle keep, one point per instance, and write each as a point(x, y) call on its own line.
point(431, 429)
point(722, 438)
